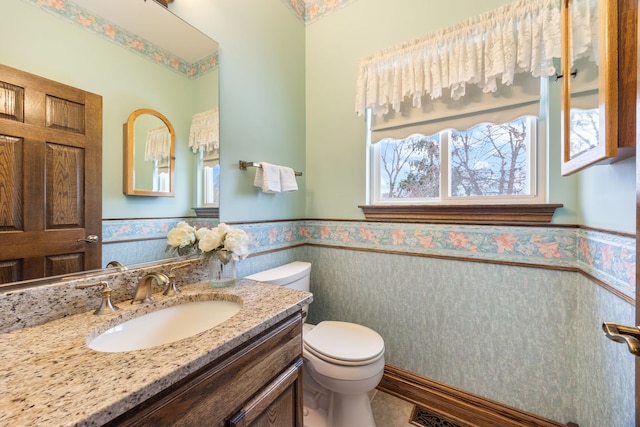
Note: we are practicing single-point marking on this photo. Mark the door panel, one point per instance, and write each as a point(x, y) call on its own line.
point(50, 177)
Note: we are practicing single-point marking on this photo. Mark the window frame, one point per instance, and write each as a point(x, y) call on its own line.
point(532, 208)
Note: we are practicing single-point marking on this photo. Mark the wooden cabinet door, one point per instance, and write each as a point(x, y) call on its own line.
point(598, 128)
point(276, 405)
point(50, 177)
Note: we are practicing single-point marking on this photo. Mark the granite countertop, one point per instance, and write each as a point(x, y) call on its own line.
point(50, 377)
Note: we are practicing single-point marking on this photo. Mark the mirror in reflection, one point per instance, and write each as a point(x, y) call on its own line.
point(149, 154)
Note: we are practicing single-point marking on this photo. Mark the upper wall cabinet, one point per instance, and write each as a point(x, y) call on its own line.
point(599, 67)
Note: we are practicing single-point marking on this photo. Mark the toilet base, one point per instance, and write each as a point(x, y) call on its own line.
point(353, 411)
point(330, 409)
point(336, 409)
point(314, 418)
point(348, 410)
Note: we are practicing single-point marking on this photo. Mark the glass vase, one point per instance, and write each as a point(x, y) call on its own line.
point(221, 275)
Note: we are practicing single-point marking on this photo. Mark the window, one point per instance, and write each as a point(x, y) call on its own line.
point(210, 162)
point(486, 149)
point(492, 163)
point(486, 70)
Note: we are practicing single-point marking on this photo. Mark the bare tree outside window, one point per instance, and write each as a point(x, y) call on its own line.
point(410, 167)
point(490, 160)
point(584, 131)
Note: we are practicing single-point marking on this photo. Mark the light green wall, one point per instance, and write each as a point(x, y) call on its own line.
point(262, 99)
point(48, 46)
point(607, 196)
point(603, 196)
point(287, 97)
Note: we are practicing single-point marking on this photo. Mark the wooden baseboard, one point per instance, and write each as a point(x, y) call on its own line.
point(457, 405)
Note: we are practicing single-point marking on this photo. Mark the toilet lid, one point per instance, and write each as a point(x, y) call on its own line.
point(344, 342)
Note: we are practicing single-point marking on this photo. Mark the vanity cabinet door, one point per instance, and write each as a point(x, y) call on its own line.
point(275, 405)
point(262, 376)
point(599, 99)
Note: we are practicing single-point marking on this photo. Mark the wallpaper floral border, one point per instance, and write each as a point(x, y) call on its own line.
point(81, 17)
point(608, 257)
point(118, 230)
point(311, 10)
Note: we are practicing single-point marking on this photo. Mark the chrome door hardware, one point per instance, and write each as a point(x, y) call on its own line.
point(624, 334)
point(91, 238)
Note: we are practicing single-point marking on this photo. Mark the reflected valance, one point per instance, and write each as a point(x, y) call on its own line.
point(204, 134)
point(158, 144)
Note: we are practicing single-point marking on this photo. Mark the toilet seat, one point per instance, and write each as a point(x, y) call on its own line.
point(344, 343)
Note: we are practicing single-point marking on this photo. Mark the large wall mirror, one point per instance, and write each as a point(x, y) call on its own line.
point(109, 63)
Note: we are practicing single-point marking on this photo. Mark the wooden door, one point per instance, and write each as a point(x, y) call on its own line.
point(50, 177)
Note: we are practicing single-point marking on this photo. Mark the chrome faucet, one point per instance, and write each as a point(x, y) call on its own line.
point(116, 264)
point(143, 288)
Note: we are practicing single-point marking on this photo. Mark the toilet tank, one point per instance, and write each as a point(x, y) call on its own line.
point(294, 275)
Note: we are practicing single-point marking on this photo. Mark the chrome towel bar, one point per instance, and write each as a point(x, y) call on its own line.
point(244, 165)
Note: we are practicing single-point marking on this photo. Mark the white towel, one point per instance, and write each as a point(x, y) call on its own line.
point(268, 178)
point(288, 179)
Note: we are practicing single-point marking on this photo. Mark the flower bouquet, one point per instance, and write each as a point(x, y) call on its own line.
point(222, 246)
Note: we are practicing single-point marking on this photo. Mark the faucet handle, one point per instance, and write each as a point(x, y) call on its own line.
point(106, 306)
point(172, 287)
point(178, 267)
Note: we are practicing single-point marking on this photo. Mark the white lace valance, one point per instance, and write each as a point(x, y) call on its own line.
point(204, 134)
point(523, 36)
point(158, 144)
point(584, 30)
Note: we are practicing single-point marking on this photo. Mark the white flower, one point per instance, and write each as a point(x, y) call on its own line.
point(182, 235)
point(200, 233)
point(237, 242)
point(211, 240)
point(224, 242)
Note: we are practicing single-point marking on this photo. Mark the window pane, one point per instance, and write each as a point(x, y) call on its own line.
point(490, 160)
point(410, 167)
point(584, 130)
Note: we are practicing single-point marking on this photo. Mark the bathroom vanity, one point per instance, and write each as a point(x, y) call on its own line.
point(245, 371)
point(261, 379)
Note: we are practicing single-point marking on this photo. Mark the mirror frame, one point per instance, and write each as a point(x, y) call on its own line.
point(128, 158)
point(616, 79)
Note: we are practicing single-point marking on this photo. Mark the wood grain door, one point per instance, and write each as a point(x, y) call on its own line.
point(50, 177)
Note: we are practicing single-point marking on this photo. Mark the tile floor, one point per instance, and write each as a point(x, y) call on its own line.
point(390, 411)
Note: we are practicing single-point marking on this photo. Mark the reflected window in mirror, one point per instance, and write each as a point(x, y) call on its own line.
point(204, 139)
point(211, 178)
point(585, 112)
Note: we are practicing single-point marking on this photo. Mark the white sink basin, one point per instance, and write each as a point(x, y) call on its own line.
point(164, 326)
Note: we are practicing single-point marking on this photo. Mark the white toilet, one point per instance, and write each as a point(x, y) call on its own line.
point(343, 361)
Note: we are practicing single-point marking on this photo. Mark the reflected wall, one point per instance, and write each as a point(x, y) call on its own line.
point(126, 81)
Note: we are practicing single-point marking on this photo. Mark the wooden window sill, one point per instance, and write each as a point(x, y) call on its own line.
point(486, 214)
point(208, 212)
